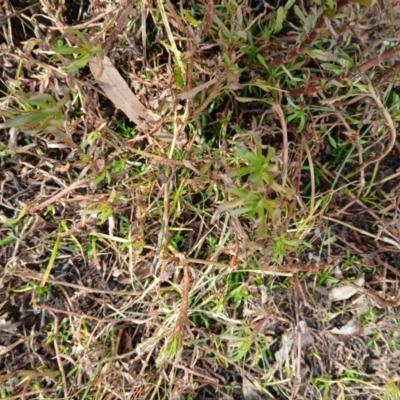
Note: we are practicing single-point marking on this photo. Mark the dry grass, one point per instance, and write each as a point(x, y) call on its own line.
point(199, 200)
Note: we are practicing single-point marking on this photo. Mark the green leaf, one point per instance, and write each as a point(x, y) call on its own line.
point(365, 3)
point(241, 211)
point(64, 50)
point(263, 85)
point(41, 100)
point(299, 14)
point(80, 36)
point(261, 59)
point(6, 240)
point(289, 4)
point(96, 49)
point(332, 141)
point(239, 172)
point(19, 121)
point(179, 80)
point(190, 18)
point(329, 5)
point(78, 63)
point(280, 16)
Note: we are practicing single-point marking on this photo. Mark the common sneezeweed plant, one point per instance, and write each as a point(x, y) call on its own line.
point(255, 205)
point(260, 170)
point(261, 195)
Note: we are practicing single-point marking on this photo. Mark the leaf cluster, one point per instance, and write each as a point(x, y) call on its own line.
point(260, 196)
point(82, 53)
point(39, 112)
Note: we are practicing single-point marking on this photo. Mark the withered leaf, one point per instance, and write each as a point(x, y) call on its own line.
point(118, 91)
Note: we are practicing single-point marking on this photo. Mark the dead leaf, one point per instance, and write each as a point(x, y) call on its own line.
point(6, 326)
point(345, 292)
point(141, 270)
point(306, 338)
point(12, 140)
point(349, 329)
point(118, 91)
point(250, 392)
point(190, 166)
point(288, 339)
point(287, 342)
point(189, 94)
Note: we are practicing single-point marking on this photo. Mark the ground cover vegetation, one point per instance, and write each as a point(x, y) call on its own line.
point(199, 199)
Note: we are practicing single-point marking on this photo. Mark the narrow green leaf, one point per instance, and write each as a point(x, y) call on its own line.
point(261, 59)
point(280, 16)
point(332, 141)
point(179, 80)
point(365, 3)
point(65, 51)
point(6, 240)
point(80, 36)
point(20, 121)
point(41, 100)
point(51, 261)
point(190, 18)
point(289, 4)
point(299, 14)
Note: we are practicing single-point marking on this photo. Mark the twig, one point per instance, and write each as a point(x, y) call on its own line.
point(185, 293)
point(38, 277)
point(306, 43)
point(312, 177)
point(91, 317)
point(19, 12)
point(143, 9)
point(58, 196)
point(285, 145)
point(160, 240)
point(298, 329)
point(28, 373)
point(373, 62)
point(393, 70)
point(388, 266)
point(85, 219)
point(123, 17)
point(293, 268)
point(379, 299)
point(376, 237)
point(59, 361)
point(391, 129)
point(208, 17)
point(350, 227)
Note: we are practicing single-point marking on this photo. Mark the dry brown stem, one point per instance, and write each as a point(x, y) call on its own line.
point(58, 357)
point(391, 130)
point(58, 196)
